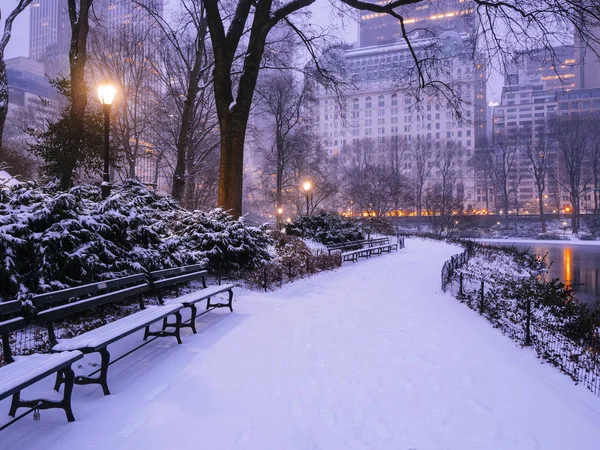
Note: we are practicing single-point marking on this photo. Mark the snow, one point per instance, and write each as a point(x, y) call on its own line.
point(370, 356)
point(6, 180)
point(27, 367)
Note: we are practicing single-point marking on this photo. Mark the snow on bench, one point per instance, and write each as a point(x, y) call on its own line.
point(26, 370)
point(158, 281)
point(97, 340)
point(94, 340)
point(368, 252)
point(23, 371)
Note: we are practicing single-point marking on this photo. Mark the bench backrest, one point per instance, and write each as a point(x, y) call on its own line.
point(167, 273)
point(168, 278)
point(50, 298)
point(11, 319)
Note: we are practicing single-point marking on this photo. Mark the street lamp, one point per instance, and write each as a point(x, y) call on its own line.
point(106, 93)
point(279, 218)
point(306, 185)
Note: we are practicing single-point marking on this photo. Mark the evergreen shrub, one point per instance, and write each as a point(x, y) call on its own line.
point(325, 227)
point(52, 240)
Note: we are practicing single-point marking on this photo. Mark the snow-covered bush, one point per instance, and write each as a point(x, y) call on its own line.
point(293, 260)
point(52, 240)
point(325, 227)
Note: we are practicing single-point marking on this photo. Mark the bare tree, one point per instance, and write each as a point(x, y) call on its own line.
point(594, 158)
point(573, 138)
point(239, 30)
point(79, 19)
point(535, 148)
point(504, 168)
point(127, 55)
point(21, 5)
point(282, 99)
point(397, 155)
point(421, 155)
point(185, 51)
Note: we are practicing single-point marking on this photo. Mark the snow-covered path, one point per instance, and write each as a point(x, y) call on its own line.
point(371, 356)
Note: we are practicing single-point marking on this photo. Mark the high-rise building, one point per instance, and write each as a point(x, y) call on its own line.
point(384, 109)
point(430, 17)
point(49, 24)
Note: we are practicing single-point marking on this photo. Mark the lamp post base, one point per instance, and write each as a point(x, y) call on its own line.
point(105, 187)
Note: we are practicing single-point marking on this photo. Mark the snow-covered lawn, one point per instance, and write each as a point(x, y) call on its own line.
point(371, 356)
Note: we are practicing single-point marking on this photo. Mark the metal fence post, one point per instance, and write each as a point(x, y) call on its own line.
point(528, 323)
point(482, 298)
point(265, 278)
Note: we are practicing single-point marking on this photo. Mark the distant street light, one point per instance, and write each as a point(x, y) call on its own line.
point(106, 93)
point(279, 218)
point(307, 186)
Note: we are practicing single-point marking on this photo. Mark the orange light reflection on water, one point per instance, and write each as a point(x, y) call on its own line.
point(567, 265)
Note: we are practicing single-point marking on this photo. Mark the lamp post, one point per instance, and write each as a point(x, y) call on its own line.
point(307, 186)
point(106, 93)
point(279, 218)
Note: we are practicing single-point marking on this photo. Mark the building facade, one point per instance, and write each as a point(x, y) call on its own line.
point(383, 111)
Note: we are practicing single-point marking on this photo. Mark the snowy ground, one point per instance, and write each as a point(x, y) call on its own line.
point(371, 356)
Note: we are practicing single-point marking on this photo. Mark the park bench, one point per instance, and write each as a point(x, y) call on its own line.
point(387, 248)
point(23, 371)
point(173, 278)
point(367, 252)
point(356, 254)
point(354, 244)
point(96, 295)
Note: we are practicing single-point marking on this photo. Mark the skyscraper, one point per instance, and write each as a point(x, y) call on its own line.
point(49, 25)
point(432, 17)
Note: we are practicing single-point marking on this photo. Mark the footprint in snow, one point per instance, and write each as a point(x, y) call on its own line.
point(156, 392)
point(327, 417)
point(133, 426)
point(382, 431)
point(245, 437)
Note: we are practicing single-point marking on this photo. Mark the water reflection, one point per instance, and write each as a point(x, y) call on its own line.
point(577, 266)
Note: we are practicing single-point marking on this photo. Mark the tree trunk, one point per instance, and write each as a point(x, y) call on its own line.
point(3, 97)
point(574, 211)
point(182, 141)
point(79, 20)
point(190, 186)
point(231, 168)
point(541, 207)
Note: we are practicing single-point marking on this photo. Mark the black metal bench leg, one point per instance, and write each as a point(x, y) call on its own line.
point(178, 327)
point(230, 301)
point(193, 313)
point(59, 380)
point(16, 400)
point(69, 380)
point(105, 355)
